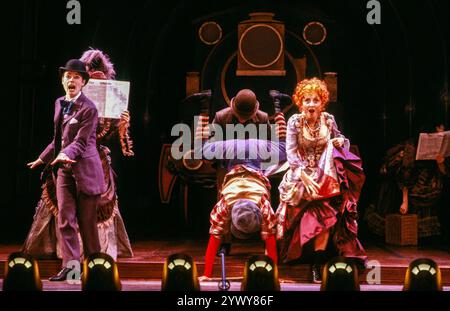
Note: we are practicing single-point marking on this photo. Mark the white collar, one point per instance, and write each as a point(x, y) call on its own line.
point(75, 98)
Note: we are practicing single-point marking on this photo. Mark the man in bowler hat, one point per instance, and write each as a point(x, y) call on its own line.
point(244, 109)
point(76, 167)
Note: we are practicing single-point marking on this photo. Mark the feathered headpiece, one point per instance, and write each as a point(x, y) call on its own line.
point(96, 60)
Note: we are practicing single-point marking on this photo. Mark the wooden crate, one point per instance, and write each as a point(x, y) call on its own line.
point(401, 229)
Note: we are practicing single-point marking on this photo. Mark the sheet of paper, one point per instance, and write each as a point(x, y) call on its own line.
point(110, 96)
point(432, 144)
point(445, 150)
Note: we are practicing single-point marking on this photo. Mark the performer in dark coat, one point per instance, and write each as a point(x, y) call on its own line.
point(41, 239)
point(76, 166)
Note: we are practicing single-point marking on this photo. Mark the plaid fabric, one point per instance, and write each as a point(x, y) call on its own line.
point(238, 169)
point(221, 213)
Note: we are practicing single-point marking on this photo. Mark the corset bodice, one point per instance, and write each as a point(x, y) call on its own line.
point(312, 141)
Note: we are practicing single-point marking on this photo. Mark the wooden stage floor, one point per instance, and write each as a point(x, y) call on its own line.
point(144, 270)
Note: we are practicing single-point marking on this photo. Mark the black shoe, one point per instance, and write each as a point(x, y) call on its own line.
point(316, 274)
point(319, 260)
point(280, 100)
point(224, 248)
point(61, 276)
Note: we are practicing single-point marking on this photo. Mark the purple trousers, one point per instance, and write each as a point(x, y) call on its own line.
point(75, 210)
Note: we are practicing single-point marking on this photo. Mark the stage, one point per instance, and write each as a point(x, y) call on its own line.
point(143, 272)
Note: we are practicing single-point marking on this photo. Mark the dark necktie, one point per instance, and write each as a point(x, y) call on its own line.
point(66, 105)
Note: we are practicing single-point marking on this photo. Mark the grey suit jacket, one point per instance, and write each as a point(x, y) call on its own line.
point(79, 144)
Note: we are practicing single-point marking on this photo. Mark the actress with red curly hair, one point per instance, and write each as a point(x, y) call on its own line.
point(320, 191)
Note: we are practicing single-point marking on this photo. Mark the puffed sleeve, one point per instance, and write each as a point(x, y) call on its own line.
point(335, 133)
point(293, 156)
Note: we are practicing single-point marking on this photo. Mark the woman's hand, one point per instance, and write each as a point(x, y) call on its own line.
point(338, 142)
point(310, 185)
point(440, 160)
point(404, 208)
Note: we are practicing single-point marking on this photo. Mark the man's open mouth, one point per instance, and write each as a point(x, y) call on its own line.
point(71, 87)
point(311, 110)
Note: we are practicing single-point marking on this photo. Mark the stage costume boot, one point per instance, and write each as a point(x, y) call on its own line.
point(316, 268)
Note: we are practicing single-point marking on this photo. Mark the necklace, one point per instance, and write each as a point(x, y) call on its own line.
point(313, 153)
point(313, 131)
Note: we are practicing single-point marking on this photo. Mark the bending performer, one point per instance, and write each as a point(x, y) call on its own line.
point(244, 205)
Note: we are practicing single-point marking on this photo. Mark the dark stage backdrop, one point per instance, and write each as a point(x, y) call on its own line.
point(390, 79)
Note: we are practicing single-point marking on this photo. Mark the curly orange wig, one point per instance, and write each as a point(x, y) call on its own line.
point(308, 86)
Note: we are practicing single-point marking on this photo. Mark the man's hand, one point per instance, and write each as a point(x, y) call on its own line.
point(62, 158)
point(310, 185)
point(34, 164)
point(338, 142)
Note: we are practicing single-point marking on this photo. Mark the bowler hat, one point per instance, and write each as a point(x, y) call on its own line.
point(245, 104)
point(246, 219)
point(77, 66)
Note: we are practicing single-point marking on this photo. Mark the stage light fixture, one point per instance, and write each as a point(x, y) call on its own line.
point(423, 274)
point(340, 274)
point(21, 273)
point(180, 274)
point(100, 273)
point(260, 274)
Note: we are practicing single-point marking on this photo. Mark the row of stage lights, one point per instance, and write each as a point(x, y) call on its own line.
point(100, 272)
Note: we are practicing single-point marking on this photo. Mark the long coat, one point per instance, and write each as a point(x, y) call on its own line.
point(78, 142)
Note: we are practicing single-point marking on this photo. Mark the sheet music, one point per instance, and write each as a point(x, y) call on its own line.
point(110, 96)
point(430, 145)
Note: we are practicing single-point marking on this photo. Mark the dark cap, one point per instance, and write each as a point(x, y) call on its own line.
point(77, 66)
point(245, 104)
